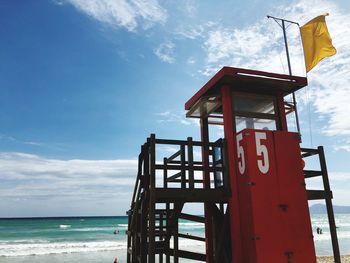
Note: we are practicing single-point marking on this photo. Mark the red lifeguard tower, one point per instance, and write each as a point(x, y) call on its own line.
point(252, 181)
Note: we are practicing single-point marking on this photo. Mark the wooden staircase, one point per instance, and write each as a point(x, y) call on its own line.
point(162, 189)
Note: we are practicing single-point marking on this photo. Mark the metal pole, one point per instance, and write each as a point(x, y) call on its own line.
point(289, 66)
point(286, 45)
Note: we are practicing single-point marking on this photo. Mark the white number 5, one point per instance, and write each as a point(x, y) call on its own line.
point(240, 153)
point(261, 150)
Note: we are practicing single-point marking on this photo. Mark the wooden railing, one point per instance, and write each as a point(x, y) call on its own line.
point(171, 173)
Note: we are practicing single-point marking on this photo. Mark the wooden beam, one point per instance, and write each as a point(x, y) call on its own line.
point(317, 194)
point(171, 158)
point(173, 177)
point(306, 152)
point(179, 167)
point(191, 195)
point(312, 173)
point(191, 237)
point(194, 218)
point(189, 255)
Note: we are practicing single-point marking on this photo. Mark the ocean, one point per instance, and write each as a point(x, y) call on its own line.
point(100, 239)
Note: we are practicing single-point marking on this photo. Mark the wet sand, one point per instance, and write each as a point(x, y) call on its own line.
point(344, 259)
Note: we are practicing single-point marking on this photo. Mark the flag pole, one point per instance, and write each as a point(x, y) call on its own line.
point(283, 26)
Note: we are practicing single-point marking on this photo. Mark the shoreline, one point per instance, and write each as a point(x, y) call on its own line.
point(329, 259)
point(108, 256)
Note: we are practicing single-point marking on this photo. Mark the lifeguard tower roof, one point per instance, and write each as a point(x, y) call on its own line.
point(243, 80)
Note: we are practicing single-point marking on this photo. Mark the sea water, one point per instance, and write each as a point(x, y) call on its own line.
point(323, 241)
point(100, 239)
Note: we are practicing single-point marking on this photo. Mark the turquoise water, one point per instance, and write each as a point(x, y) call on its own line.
point(23, 237)
point(100, 239)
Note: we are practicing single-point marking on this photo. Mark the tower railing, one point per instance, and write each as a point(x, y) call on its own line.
point(163, 186)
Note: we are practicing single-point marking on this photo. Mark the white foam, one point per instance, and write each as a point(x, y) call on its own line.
point(65, 226)
point(190, 224)
point(27, 249)
point(181, 224)
point(326, 235)
point(91, 229)
point(20, 241)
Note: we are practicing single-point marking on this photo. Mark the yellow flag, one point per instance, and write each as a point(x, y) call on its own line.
point(317, 42)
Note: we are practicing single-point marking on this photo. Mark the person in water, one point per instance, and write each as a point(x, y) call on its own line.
point(115, 260)
point(319, 230)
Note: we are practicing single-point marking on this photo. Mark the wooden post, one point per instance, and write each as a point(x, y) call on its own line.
point(183, 168)
point(161, 234)
point(190, 163)
point(206, 180)
point(151, 224)
point(330, 213)
point(128, 256)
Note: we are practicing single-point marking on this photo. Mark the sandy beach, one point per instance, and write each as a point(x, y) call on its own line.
point(344, 259)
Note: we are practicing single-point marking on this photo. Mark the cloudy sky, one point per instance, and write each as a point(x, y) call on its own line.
point(84, 82)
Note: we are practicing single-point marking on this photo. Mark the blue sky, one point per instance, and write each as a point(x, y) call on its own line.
point(83, 83)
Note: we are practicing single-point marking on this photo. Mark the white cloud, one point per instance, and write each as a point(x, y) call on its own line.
point(339, 177)
point(30, 176)
point(123, 13)
point(165, 113)
point(191, 60)
point(190, 32)
point(195, 32)
point(343, 147)
point(190, 7)
point(176, 117)
point(15, 140)
point(260, 46)
point(165, 52)
point(225, 43)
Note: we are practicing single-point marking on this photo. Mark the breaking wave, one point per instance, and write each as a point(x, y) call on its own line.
point(65, 226)
point(28, 248)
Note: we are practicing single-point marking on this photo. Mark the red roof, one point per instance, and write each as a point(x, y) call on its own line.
point(248, 79)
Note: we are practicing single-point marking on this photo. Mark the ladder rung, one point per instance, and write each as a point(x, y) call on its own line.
point(312, 173)
point(191, 237)
point(306, 152)
point(318, 194)
point(186, 180)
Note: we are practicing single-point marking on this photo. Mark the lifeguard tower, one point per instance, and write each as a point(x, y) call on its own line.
point(251, 182)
